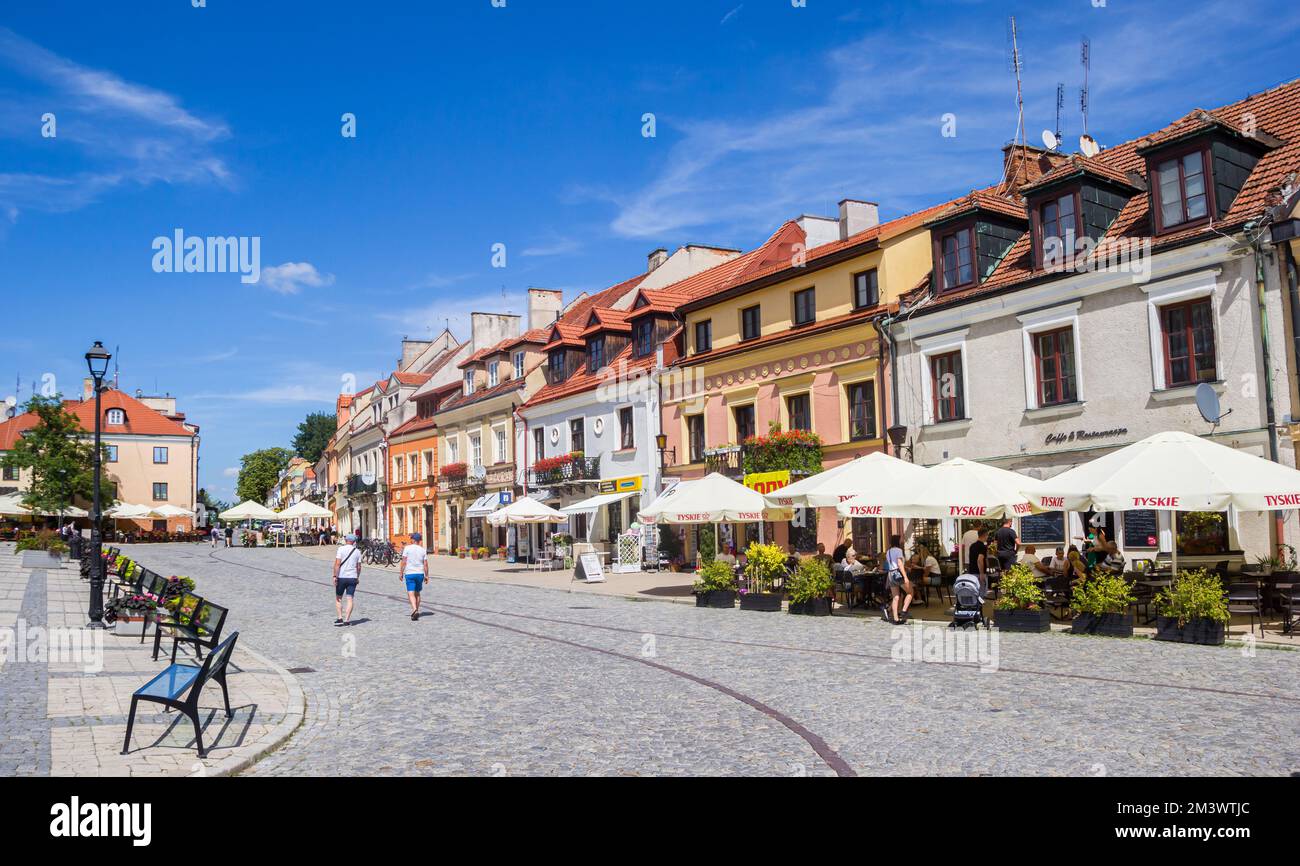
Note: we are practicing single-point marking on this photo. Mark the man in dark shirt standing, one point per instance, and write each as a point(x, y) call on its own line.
point(1006, 539)
point(977, 558)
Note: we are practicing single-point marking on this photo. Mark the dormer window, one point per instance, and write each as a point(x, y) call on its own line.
point(469, 382)
point(519, 365)
point(555, 363)
point(644, 337)
point(116, 417)
point(596, 354)
point(957, 258)
point(1058, 229)
point(1181, 193)
point(492, 374)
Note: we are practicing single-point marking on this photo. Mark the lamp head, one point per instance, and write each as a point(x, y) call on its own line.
point(897, 434)
point(661, 441)
point(97, 359)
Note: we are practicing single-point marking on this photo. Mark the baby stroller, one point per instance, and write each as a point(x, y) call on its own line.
point(968, 609)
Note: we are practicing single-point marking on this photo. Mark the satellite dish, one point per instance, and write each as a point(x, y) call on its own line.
point(1088, 146)
point(367, 478)
point(1207, 401)
point(1050, 139)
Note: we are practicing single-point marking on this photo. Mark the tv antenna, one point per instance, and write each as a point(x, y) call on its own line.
point(1085, 56)
point(1052, 138)
point(1016, 69)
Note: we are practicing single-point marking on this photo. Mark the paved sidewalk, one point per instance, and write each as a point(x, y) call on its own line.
point(65, 692)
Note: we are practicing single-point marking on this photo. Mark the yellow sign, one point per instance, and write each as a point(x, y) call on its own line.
point(630, 484)
point(768, 482)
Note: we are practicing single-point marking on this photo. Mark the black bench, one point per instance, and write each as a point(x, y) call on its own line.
point(178, 687)
point(203, 629)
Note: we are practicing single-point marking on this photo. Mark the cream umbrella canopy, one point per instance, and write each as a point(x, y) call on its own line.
point(12, 506)
point(169, 510)
point(127, 511)
point(1172, 471)
point(248, 510)
point(714, 498)
point(306, 509)
point(876, 470)
point(957, 489)
point(526, 510)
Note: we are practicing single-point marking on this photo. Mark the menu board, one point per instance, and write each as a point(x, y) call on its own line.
point(1141, 529)
point(1045, 528)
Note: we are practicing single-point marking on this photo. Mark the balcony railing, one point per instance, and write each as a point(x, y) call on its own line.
point(579, 470)
point(356, 486)
point(471, 481)
point(732, 460)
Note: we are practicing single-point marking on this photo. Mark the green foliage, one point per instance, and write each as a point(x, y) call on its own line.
point(812, 579)
point(258, 472)
point(43, 540)
point(764, 564)
point(314, 435)
point(800, 451)
point(1196, 594)
point(708, 539)
point(132, 605)
point(715, 576)
point(1102, 593)
point(1018, 590)
point(57, 454)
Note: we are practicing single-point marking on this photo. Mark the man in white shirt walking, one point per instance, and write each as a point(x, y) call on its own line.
point(414, 569)
point(347, 574)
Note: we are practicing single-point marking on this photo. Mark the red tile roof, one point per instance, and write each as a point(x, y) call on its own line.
point(140, 419)
point(1077, 165)
point(411, 378)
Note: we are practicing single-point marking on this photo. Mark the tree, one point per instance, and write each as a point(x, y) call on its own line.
point(259, 470)
point(58, 455)
point(314, 435)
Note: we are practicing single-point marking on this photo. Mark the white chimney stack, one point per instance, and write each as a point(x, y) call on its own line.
point(655, 259)
point(857, 216)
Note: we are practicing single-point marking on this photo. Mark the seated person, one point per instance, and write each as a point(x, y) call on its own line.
point(853, 562)
point(1030, 558)
point(926, 566)
point(1056, 565)
point(822, 555)
point(841, 552)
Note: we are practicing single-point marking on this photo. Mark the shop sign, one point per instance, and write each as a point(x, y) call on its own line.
point(1084, 435)
point(768, 482)
point(628, 484)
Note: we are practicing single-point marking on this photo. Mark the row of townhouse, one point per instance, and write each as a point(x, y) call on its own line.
point(1071, 306)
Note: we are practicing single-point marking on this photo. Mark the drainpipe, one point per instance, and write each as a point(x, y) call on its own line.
point(883, 326)
point(1270, 412)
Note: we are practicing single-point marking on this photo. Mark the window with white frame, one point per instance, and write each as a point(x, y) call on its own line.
point(944, 379)
point(492, 374)
point(453, 449)
point(519, 365)
point(499, 455)
point(1052, 357)
point(1183, 322)
point(116, 416)
point(476, 449)
point(469, 382)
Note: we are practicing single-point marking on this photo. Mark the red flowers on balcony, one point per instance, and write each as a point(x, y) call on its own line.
point(453, 471)
point(548, 464)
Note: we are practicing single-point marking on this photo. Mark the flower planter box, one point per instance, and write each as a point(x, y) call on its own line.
point(813, 607)
point(1106, 624)
point(1034, 621)
point(1206, 632)
point(130, 626)
point(719, 598)
point(764, 601)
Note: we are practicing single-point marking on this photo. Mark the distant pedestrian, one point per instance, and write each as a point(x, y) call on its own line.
point(414, 569)
point(977, 559)
point(230, 536)
point(214, 535)
point(1007, 544)
point(347, 574)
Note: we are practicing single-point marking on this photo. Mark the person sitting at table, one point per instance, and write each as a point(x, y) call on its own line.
point(1075, 566)
point(1030, 558)
point(841, 552)
point(1056, 565)
point(853, 562)
point(821, 555)
point(728, 555)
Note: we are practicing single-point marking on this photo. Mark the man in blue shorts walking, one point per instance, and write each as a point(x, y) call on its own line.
point(347, 573)
point(414, 569)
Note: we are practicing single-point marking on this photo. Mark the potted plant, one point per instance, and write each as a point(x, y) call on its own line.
point(764, 566)
point(1193, 610)
point(42, 550)
point(501, 552)
point(130, 613)
point(715, 586)
point(1020, 602)
point(1101, 606)
point(460, 552)
point(1268, 564)
point(810, 587)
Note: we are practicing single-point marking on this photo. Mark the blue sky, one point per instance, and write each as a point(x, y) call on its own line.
point(478, 125)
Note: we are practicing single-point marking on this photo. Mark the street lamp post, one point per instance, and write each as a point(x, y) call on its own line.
point(97, 360)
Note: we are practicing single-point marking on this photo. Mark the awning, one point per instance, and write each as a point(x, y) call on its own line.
point(484, 505)
point(589, 506)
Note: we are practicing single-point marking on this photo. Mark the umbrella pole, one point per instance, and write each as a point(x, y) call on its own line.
point(1173, 535)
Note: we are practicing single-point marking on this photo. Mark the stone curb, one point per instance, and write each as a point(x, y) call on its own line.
point(294, 714)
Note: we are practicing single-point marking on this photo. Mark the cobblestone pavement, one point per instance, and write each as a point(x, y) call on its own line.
point(509, 680)
point(65, 692)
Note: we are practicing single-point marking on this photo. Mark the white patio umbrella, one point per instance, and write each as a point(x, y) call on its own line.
point(169, 510)
point(714, 498)
point(12, 506)
point(249, 510)
point(1172, 471)
point(876, 470)
point(306, 509)
point(526, 510)
point(958, 489)
point(127, 511)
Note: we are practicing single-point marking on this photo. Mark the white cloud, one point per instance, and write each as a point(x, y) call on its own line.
point(555, 247)
point(230, 472)
point(128, 133)
point(290, 277)
point(732, 14)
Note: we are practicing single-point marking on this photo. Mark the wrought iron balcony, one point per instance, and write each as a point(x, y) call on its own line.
point(732, 460)
point(357, 487)
point(471, 482)
point(578, 470)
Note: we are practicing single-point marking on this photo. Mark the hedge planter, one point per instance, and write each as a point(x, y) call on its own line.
point(765, 601)
point(719, 598)
point(1035, 621)
point(812, 607)
point(1206, 632)
point(1105, 624)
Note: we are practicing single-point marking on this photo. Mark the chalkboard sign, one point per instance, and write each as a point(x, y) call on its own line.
point(1141, 529)
point(590, 569)
point(1045, 528)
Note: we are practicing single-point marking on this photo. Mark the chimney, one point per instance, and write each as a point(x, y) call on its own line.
point(655, 259)
point(87, 389)
point(1025, 163)
point(544, 306)
point(857, 216)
